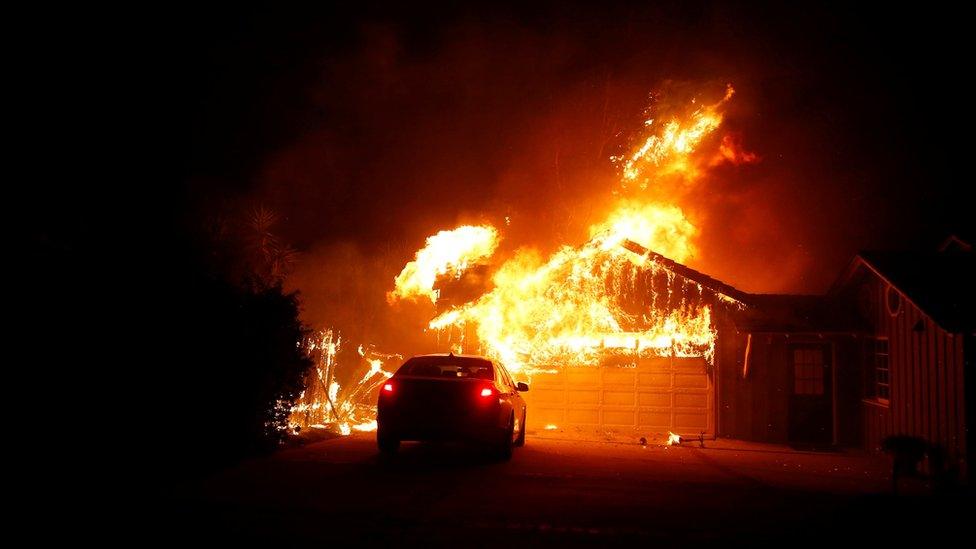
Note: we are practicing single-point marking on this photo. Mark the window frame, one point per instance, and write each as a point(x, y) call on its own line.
point(506, 379)
point(876, 383)
point(812, 383)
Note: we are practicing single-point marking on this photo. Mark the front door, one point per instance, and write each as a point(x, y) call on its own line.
point(811, 394)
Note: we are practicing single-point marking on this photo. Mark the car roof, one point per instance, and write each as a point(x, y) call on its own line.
point(453, 354)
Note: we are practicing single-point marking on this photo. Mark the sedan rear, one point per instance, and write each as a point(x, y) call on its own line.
point(451, 397)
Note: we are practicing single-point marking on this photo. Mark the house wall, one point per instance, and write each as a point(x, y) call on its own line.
point(754, 407)
point(757, 406)
point(927, 366)
point(848, 360)
point(929, 397)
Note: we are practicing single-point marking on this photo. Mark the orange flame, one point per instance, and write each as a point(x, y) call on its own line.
point(658, 227)
point(731, 151)
point(577, 306)
point(580, 306)
point(668, 151)
point(569, 310)
point(445, 252)
point(324, 404)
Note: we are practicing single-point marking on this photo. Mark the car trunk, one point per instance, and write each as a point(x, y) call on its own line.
point(430, 403)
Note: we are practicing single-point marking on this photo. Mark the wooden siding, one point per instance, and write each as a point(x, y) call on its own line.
point(757, 406)
point(927, 379)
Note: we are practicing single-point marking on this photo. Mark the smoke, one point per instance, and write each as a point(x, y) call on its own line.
point(413, 126)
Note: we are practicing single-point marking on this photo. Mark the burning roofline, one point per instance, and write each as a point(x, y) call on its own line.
point(684, 271)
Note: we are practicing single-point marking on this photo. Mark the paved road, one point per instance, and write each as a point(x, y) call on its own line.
point(553, 492)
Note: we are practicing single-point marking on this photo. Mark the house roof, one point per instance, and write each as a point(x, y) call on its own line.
point(766, 312)
point(796, 314)
point(687, 272)
point(941, 284)
point(956, 243)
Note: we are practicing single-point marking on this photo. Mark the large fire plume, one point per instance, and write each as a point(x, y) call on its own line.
point(667, 149)
point(447, 252)
point(613, 299)
point(579, 306)
point(572, 309)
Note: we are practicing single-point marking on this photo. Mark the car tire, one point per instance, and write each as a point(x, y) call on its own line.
point(505, 447)
point(387, 445)
point(520, 441)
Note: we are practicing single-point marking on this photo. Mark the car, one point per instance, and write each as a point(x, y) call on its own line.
point(449, 397)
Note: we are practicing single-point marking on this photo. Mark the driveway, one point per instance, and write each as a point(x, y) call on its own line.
point(555, 491)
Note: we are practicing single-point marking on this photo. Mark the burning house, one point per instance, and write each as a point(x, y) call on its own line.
point(617, 336)
point(641, 387)
point(883, 353)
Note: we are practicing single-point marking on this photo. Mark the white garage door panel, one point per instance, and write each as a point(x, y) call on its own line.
point(656, 396)
point(654, 380)
point(690, 381)
point(586, 378)
point(618, 418)
point(690, 400)
point(619, 397)
point(542, 399)
point(542, 416)
point(656, 420)
point(583, 416)
point(625, 378)
point(655, 399)
point(580, 397)
point(689, 423)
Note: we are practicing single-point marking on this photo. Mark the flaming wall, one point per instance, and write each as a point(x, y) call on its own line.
point(630, 391)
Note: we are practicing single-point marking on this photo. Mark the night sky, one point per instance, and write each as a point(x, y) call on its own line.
point(368, 128)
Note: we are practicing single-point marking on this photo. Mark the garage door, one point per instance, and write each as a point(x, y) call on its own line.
point(658, 395)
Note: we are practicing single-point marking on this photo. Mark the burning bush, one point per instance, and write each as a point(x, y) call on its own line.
point(327, 404)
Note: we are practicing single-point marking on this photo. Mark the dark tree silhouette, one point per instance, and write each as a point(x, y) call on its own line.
point(230, 361)
point(237, 368)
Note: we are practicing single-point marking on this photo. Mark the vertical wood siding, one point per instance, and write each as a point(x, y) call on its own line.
point(757, 407)
point(927, 381)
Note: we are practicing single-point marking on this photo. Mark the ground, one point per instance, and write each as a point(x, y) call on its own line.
point(556, 491)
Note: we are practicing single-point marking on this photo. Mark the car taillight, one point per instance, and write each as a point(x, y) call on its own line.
point(487, 392)
point(388, 388)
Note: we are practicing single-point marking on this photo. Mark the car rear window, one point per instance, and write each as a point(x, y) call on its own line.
point(447, 366)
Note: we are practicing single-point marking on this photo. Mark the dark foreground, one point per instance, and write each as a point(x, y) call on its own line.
point(557, 492)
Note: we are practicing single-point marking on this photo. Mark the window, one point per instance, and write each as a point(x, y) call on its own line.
point(447, 366)
point(504, 378)
point(808, 372)
point(881, 377)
